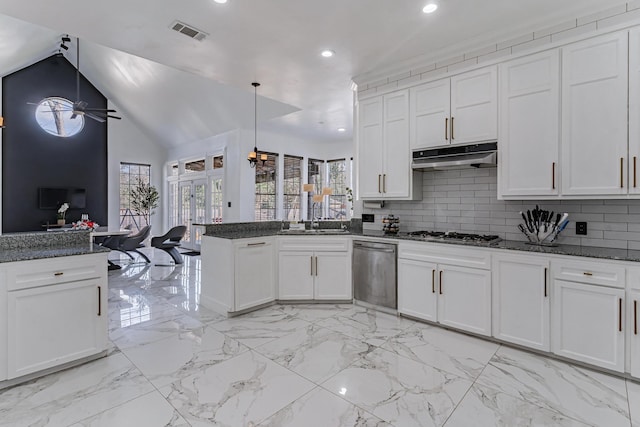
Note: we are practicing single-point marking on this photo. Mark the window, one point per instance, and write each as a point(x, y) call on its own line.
point(174, 217)
point(218, 162)
point(315, 176)
point(216, 199)
point(130, 175)
point(266, 197)
point(194, 166)
point(292, 187)
point(54, 116)
point(173, 169)
point(337, 206)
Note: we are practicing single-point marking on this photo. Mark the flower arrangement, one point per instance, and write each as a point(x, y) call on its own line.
point(62, 211)
point(85, 225)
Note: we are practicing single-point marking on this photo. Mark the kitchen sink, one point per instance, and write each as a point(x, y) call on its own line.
point(323, 231)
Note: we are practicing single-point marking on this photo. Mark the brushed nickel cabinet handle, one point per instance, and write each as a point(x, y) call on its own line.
point(256, 244)
point(316, 265)
point(635, 160)
point(311, 265)
point(619, 314)
point(553, 175)
point(440, 282)
point(452, 138)
point(379, 186)
point(587, 273)
point(59, 273)
point(635, 317)
point(433, 281)
point(545, 282)
point(384, 183)
point(446, 128)
point(99, 301)
point(621, 172)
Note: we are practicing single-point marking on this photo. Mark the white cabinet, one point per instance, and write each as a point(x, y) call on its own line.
point(254, 273)
point(437, 283)
point(237, 274)
point(521, 293)
point(588, 315)
point(56, 312)
point(384, 156)
point(634, 110)
point(594, 116)
point(318, 268)
point(458, 110)
point(634, 332)
point(529, 126)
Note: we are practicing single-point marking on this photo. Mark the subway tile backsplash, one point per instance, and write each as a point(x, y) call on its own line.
point(466, 200)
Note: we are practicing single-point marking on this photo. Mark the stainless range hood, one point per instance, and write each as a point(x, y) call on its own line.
point(457, 157)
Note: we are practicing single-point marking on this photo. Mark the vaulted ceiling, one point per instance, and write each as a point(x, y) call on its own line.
point(180, 90)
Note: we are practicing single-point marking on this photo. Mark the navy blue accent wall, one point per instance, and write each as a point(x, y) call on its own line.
point(32, 158)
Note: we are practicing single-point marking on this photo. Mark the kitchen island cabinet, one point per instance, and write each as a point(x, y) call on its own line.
point(56, 313)
point(237, 274)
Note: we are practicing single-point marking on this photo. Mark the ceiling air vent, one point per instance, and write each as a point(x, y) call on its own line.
point(188, 30)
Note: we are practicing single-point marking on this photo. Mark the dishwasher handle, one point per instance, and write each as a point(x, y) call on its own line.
point(368, 248)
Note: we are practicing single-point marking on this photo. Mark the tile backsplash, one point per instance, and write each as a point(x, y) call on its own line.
point(466, 200)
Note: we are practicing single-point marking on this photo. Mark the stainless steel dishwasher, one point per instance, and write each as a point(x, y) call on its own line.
point(374, 273)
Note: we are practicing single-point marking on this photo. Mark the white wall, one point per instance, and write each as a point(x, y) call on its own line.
point(126, 143)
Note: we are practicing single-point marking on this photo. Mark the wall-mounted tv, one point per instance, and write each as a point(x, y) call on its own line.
point(53, 198)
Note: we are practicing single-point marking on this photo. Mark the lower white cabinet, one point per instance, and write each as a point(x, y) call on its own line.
point(521, 294)
point(588, 324)
point(634, 329)
point(453, 295)
point(318, 268)
point(237, 274)
point(56, 312)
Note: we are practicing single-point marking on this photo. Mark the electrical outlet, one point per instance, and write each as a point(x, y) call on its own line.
point(581, 228)
point(229, 204)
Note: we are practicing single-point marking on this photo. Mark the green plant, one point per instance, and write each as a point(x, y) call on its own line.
point(144, 199)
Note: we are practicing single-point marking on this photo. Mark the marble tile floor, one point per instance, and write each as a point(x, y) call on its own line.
point(172, 362)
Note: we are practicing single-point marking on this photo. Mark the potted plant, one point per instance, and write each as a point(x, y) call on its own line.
point(144, 199)
point(62, 212)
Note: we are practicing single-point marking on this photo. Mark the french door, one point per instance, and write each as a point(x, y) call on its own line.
point(192, 210)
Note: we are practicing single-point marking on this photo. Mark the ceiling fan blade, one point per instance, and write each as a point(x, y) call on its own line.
point(94, 117)
point(33, 103)
point(115, 117)
point(80, 105)
point(100, 110)
point(74, 115)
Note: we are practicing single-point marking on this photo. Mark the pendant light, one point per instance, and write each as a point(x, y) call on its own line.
point(1, 122)
point(253, 156)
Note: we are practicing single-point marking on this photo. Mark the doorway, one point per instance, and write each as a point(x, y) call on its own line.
point(192, 210)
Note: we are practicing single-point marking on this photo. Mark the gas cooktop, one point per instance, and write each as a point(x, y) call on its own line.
point(454, 236)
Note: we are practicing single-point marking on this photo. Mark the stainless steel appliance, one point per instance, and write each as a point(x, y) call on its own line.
point(456, 157)
point(454, 236)
point(374, 273)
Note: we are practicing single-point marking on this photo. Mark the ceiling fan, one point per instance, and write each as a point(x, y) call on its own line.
point(80, 107)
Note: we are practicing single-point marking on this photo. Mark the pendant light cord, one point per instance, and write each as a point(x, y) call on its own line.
point(255, 117)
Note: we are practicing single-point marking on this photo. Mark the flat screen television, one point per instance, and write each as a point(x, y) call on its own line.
point(53, 198)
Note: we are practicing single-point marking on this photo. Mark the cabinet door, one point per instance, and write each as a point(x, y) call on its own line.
point(635, 332)
point(429, 114)
point(396, 178)
point(474, 106)
point(634, 111)
point(295, 275)
point(587, 324)
point(530, 126)
point(370, 148)
point(464, 299)
point(521, 301)
point(56, 324)
point(332, 276)
point(254, 275)
point(417, 289)
point(594, 116)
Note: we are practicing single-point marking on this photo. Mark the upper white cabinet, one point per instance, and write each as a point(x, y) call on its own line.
point(634, 110)
point(384, 156)
point(594, 116)
point(458, 110)
point(521, 294)
point(529, 141)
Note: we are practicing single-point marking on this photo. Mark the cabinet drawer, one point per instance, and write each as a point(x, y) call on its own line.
point(445, 254)
point(42, 272)
point(595, 273)
point(316, 244)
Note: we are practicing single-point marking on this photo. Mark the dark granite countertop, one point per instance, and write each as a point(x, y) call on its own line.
point(23, 254)
point(560, 249)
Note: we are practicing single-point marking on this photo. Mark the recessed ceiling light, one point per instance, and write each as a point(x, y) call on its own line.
point(327, 53)
point(430, 7)
point(220, 1)
point(342, 130)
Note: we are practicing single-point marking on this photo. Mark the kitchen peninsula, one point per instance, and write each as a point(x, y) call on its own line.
point(53, 290)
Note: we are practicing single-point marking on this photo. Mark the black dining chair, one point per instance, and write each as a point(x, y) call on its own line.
point(130, 243)
point(170, 241)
